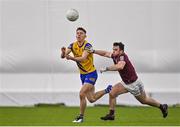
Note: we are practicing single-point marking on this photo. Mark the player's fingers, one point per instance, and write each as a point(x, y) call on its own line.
point(63, 49)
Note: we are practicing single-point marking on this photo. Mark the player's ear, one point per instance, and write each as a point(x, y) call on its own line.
point(121, 51)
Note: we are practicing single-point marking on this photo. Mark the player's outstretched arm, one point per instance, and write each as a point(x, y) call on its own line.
point(119, 66)
point(78, 59)
point(102, 53)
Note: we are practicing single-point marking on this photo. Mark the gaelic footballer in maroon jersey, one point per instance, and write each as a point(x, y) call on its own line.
point(130, 81)
point(128, 74)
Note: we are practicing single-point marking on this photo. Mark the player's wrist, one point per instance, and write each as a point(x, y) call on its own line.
point(71, 58)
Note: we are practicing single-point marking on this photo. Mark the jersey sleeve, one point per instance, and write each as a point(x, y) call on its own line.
point(70, 46)
point(88, 47)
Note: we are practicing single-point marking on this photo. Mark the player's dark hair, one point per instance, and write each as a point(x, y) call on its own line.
point(120, 44)
point(80, 28)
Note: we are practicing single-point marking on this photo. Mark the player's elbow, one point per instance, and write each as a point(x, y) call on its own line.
point(92, 100)
point(80, 60)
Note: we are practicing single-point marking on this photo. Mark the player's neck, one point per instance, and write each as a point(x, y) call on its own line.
point(120, 54)
point(80, 43)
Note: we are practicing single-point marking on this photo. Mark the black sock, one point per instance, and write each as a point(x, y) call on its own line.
point(111, 112)
point(161, 106)
point(81, 115)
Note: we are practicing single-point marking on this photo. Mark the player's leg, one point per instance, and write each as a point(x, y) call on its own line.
point(116, 90)
point(90, 80)
point(144, 99)
point(82, 96)
point(87, 90)
point(137, 89)
point(92, 96)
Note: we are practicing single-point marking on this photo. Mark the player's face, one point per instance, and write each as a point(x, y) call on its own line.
point(80, 35)
point(116, 51)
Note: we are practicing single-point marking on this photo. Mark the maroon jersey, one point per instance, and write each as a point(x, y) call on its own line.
point(128, 74)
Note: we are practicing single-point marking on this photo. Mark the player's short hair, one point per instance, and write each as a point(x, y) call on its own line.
point(81, 28)
point(120, 44)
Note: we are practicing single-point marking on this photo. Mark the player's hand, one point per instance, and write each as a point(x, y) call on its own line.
point(103, 70)
point(63, 52)
point(68, 57)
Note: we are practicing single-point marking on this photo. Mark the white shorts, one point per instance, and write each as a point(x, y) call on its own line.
point(135, 88)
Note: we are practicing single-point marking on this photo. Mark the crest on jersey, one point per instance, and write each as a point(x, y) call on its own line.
point(92, 79)
point(88, 47)
point(121, 58)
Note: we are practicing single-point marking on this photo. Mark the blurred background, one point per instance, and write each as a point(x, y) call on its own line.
point(33, 31)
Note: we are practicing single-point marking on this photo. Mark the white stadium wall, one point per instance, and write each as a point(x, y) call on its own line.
point(32, 32)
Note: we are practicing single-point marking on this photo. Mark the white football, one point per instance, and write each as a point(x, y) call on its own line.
point(72, 15)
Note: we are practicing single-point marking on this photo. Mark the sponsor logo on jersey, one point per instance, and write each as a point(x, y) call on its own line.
point(121, 58)
point(92, 79)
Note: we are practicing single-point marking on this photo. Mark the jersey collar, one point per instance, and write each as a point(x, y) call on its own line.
point(81, 45)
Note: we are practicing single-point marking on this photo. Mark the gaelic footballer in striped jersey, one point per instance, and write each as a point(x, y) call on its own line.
point(88, 75)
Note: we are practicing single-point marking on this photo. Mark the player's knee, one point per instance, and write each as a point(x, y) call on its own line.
point(143, 101)
point(112, 95)
point(92, 100)
point(82, 95)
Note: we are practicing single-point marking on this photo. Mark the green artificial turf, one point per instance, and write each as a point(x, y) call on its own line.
point(63, 116)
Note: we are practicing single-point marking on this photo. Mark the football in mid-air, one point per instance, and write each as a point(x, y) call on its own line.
point(72, 15)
